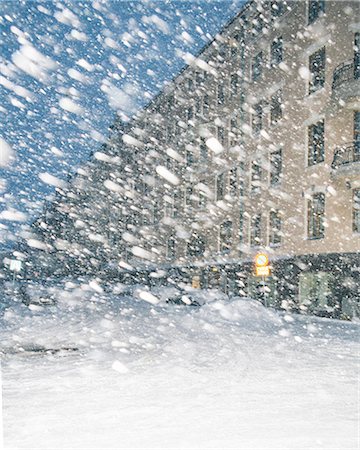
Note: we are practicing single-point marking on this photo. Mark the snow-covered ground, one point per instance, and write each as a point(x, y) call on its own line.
point(124, 373)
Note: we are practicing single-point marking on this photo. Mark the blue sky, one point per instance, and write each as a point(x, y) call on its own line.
point(66, 69)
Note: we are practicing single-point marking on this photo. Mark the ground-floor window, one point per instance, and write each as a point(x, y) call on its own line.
point(356, 211)
point(316, 216)
point(315, 291)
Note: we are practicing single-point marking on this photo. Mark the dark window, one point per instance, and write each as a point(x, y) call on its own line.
point(258, 24)
point(199, 78)
point(221, 135)
point(220, 186)
point(241, 223)
point(233, 182)
point(206, 105)
point(221, 93)
point(178, 198)
point(198, 106)
point(316, 216)
point(316, 143)
point(357, 56)
point(257, 66)
point(171, 247)
point(237, 38)
point(234, 84)
point(203, 149)
point(241, 179)
point(188, 195)
point(190, 113)
point(171, 101)
point(189, 158)
point(222, 53)
point(277, 7)
point(356, 211)
point(196, 245)
point(255, 230)
point(276, 54)
point(202, 199)
point(225, 236)
point(274, 228)
point(276, 108)
point(316, 7)
point(256, 176)
point(257, 119)
point(275, 167)
point(317, 70)
point(233, 131)
point(357, 135)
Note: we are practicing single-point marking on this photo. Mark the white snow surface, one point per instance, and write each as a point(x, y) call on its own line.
point(124, 373)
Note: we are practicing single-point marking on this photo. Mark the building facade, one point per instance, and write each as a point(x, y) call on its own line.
point(254, 146)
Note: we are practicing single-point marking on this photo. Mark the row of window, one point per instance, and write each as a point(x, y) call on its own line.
point(315, 228)
point(196, 246)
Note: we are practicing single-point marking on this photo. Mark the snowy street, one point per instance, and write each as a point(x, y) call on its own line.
point(228, 375)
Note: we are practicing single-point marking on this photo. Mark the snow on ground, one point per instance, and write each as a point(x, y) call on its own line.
point(124, 373)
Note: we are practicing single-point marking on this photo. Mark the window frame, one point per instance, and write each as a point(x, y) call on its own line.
point(317, 71)
point(316, 220)
point(316, 150)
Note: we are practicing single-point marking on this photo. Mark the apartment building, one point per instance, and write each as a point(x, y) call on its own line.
point(254, 146)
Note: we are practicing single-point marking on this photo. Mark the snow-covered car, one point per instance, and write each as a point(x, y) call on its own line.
point(185, 295)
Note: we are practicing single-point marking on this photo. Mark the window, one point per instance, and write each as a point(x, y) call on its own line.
point(275, 167)
point(256, 175)
point(276, 52)
point(233, 182)
point(233, 131)
point(255, 230)
point(220, 187)
point(190, 84)
point(196, 245)
point(221, 93)
point(316, 7)
point(257, 66)
point(357, 56)
point(257, 119)
point(206, 105)
point(188, 195)
point(171, 101)
point(222, 53)
point(241, 223)
point(199, 78)
point(315, 291)
point(198, 106)
point(225, 236)
point(178, 198)
point(241, 179)
point(203, 149)
point(277, 8)
point(258, 24)
point(274, 228)
point(316, 216)
point(316, 144)
point(356, 211)
point(317, 70)
point(221, 135)
point(276, 108)
point(189, 158)
point(234, 84)
point(202, 200)
point(235, 44)
point(357, 135)
point(168, 206)
point(190, 113)
point(171, 247)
